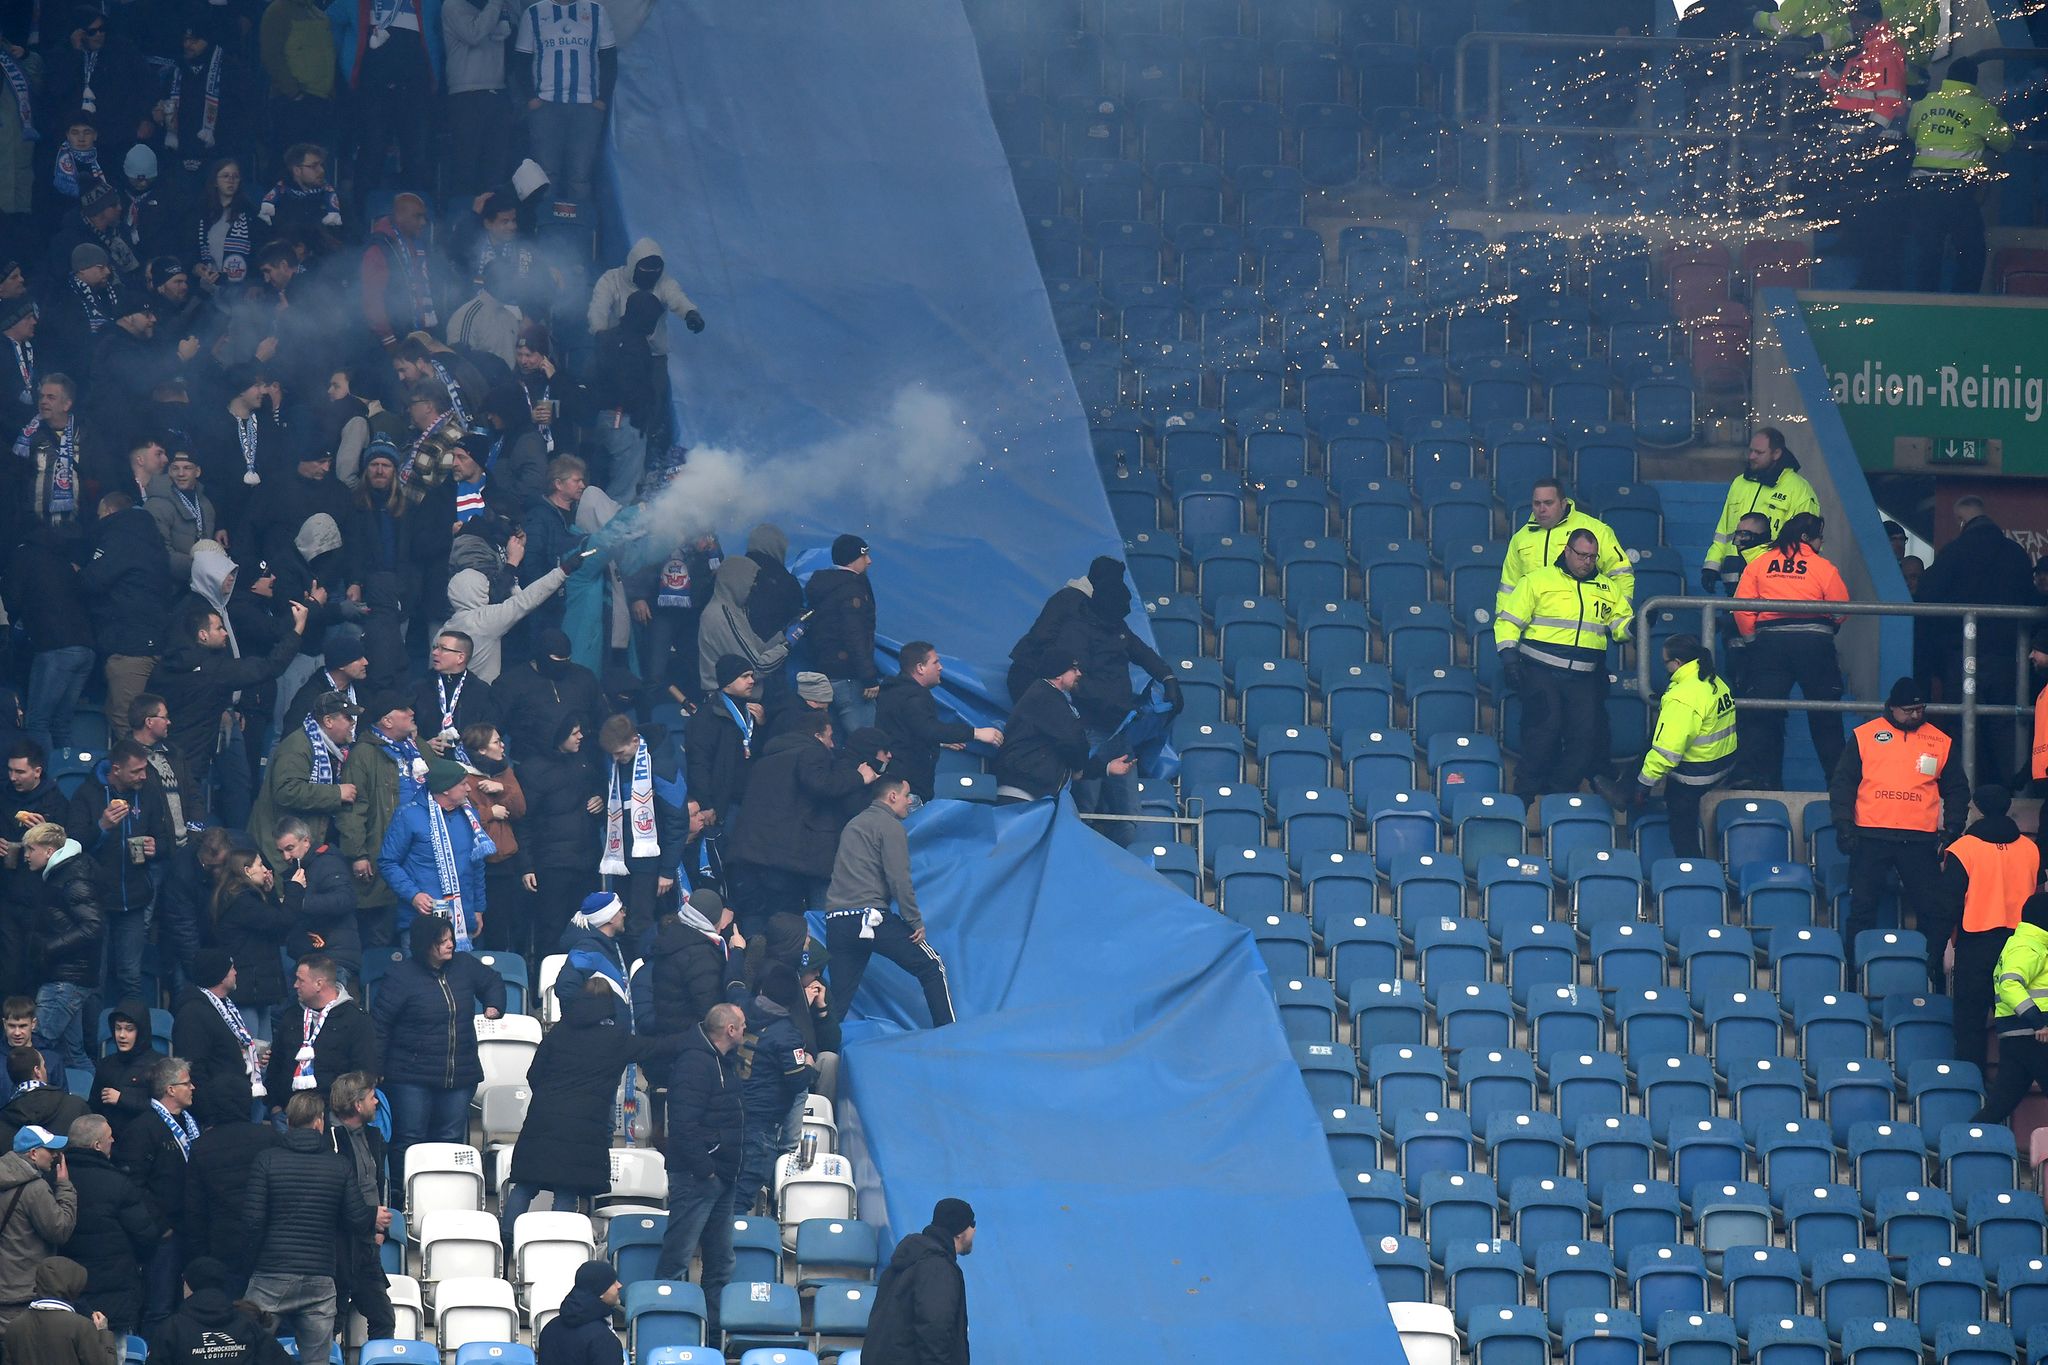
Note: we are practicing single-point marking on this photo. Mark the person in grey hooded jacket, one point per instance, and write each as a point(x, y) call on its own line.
point(725, 629)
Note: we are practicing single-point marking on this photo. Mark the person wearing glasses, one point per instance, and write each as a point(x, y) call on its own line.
point(154, 1147)
point(1899, 798)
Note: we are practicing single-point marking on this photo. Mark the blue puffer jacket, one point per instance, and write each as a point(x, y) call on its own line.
point(406, 861)
point(426, 1021)
point(591, 953)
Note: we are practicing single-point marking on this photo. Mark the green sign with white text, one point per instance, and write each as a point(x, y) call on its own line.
point(1927, 383)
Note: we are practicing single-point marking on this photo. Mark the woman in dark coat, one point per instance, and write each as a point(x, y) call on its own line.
point(426, 1034)
point(565, 1146)
point(124, 1073)
point(252, 924)
point(560, 832)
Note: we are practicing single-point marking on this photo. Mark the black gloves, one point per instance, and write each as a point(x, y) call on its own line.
point(1169, 687)
point(694, 320)
point(1511, 669)
point(1710, 578)
point(572, 561)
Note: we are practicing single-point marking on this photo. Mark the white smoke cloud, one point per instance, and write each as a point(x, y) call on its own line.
point(920, 445)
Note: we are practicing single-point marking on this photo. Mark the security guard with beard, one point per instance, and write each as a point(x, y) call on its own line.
point(1899, 797)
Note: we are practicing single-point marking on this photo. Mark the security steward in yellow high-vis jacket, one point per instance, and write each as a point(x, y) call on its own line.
point(1553, 632)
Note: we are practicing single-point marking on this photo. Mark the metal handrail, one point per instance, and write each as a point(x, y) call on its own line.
point(1201, 849)
point(1492, 127)
point(1969, 708)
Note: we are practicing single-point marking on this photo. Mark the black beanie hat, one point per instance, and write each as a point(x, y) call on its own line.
point(1992, 800)
point(2035, 911)
point(847, 548)
point(210, 967)
point(952, 1216)
point(728, 667)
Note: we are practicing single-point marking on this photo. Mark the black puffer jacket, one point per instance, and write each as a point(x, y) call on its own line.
point(150, 1155)
point(566, 1143)
point(715, 756)
point(920, 1312)
point(691, 974)
point(73, 920)
point(301, 1194)
point(796, 805)
point(116, 1231)
point(843, 627)
point(705, 1114)
point(426, 1021)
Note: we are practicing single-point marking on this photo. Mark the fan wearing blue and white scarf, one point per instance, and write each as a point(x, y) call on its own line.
point(447, 795)
point(328, 754)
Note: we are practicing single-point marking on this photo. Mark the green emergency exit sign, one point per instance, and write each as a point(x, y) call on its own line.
point(1959, 450)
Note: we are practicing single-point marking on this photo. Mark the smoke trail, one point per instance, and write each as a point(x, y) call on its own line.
point(920, 445)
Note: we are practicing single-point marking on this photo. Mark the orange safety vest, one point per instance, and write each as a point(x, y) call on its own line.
point(2002, 876)
point(2040, 769)
point(1901, 775)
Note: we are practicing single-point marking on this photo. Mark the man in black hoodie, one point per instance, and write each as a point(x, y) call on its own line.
point(906, 713)
point(1045, 746)
point(920, 1311)
point(528, 695)
point(1987, 874)
point(1086, 621)
point(625, 390)
point(208, 1329)
point(842, 601)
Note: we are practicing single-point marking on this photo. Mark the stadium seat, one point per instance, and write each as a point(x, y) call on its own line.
point(751, 1318)
point(1353, 1134)
point(1548, 1210)
point(1974, 1343)
point(1717, 961)
point(1606, 886)
point(1477, 1015)
point(1944, 1287)
point(474, 1309)
point(1891, 962)
point(634, 1244)
point(1943, 1094)
point(1308, 1009)
point(1977, 1158)
point(442, 1175)
point(1696, 1338)
point(1741, 1026)
point(1728, 1215)
point(1359, 945)
point(1459, 1208)
point(1483, 1275)
point(1509, 1336)
point(1787, 1339)
point(1667, 1279)
point(1538, 956)
point(1330, 1071)
point(1708, 1150)
point(2006, 1224)
point(1586, 1085)
point(1806, 964)
point(1775, 896)
point(1614, 1150)
point(1915, 1221)
point(1762, 1283)
point(546, 1245)
point(1640, 1213)
point(1880, 1340)
point(1378, 1204)
point(1430, 1140)
point(1653, 1025)
point(1402, 1264)
point(1251, 888)
point(1572, 1276)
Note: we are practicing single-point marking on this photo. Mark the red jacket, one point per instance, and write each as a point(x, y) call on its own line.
point(1872, 80)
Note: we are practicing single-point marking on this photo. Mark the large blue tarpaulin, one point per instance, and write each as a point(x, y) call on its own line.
point(1117, 1102)
point(826, 182)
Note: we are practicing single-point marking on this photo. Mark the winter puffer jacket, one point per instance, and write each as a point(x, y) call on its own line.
point(117, 1230)
point(426, 1021)
point(73, 920)
point(300, 1194)
point(43, 1221)
point(690, 973)
point(209, 1330)
point(705, 1112)
point(559, 830)
point(566, 1142)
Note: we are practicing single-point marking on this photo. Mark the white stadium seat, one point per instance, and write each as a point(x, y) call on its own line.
point(441, 1175)
point(639, 1183)
point(550, 1246)
point(460, 1244)
point(474, 1310)
point(1429, 1334)
point(505, 1046)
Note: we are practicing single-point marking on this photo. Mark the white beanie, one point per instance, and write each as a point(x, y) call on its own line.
point(140, 163)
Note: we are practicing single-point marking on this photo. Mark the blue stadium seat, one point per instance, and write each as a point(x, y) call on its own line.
point(1538, 956)
point(1585, 1085)
point(1312, 575)
point(1178, 864)
point(1284, 943)
point(1477, 1015)
point(1572, 1276)
point(1251, 883)
point(1270, 690)
point(1941, 1094)
point(1483, 1276)
point(1741, 1026)
point(1566, 1020)
point(1613, 1150)
point(1640, 1213)
point(1487, 824)
point(1541, 1212)
point(1251, 133)
point(1402, 1264)
point(1313, 821)
point(1730, 1214)
point(1329, 1071)
point(2023, 1282)
point(1915, 1221)
point(1891, 962)
point(1668, 1279)
point(1831, 1027)
point(1766, 1091)
point(1378, 1204)
point(1851, 1091)
point(1442, 700)
point(1359, 698)
point(1775, 896)
point(1427, 887)
point(1663, 411)
point(1627, 956)
point(1429, 1140)
point(1293, 757)
point(1688, 892)
point(1919, 1028)
point(1463, 763)
point(1977, 1158)
point(1232, 816)
point(1308, 1009)
point(1496, 1081)
point(1806, 963)
point(1360, 946)
point(663, 1313)
point(1675, 1089)
point(1474, 575)
point(1353, 1132)
point(1696, 1338)
point(1753, 830)
point(634, 1244)
point(1524, 1146)
point(1762, 1285)
point(1403, 823)
point(1513, 889)
point(1945, 1287)
point(1881, 1341)
point(1653, 1025)
point(1571, 822)
point(1420, 636)
point(1458, 1207)
point(1974, 1343)
point(1449, 953)
point(1595, 1336)
point(1211, 753)
point(1825, 1222)
point(1717, 961)
point(1405, 1080)
point(1606, 886)
point(1386, 1012)
point(2005, 1224)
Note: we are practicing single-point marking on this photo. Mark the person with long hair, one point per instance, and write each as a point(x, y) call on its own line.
point(251, 922)
point(1791, 647)
point(425, 1013)
point(228, 228)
